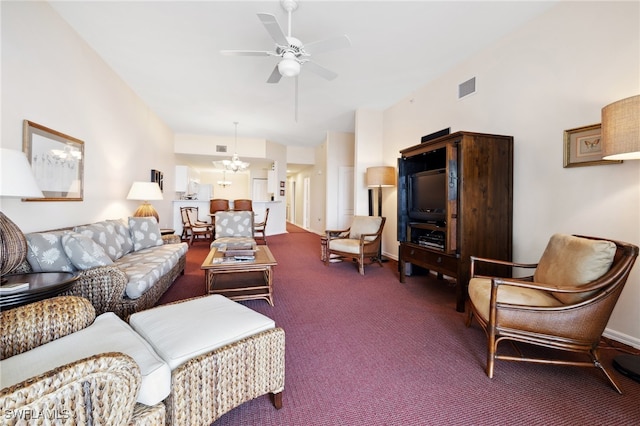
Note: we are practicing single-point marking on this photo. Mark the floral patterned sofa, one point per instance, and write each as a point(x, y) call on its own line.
point(124, 265)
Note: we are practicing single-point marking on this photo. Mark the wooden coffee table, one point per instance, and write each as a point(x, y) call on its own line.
point(241, 280)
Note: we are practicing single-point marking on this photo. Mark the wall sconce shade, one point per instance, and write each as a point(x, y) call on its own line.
point(381, 176)
point(16, 181)
point(145, 191)
point(621, 129)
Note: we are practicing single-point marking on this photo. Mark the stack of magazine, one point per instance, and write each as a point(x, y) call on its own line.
point(238, 252)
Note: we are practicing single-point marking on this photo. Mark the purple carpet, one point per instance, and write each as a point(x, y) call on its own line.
point(368, 350)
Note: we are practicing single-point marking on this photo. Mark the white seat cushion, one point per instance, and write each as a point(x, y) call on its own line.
point(346, 245)
point(108, 333)
point(182, 331)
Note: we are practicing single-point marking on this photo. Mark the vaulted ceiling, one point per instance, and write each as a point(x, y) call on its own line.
point(168, 52)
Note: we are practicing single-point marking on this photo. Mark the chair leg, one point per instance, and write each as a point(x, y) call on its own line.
point(276, 399)
point(491, 353)
point(361, 264)
point(596, 361)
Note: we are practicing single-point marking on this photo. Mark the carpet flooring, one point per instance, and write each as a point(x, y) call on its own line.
point(368, 350)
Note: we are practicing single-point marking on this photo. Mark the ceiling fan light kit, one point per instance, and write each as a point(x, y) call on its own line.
point(291, 51)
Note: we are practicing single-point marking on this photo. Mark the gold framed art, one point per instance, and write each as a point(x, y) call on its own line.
point(583, 147)
point(57, 162)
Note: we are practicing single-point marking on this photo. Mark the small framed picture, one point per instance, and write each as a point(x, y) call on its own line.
point(281, 184)
point(282, 192)
point(583, 147)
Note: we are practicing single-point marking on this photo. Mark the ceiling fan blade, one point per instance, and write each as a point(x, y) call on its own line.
point(247, 53)
point(320, 70)
point(275, 76)
point(273, 28)
point(327, 45)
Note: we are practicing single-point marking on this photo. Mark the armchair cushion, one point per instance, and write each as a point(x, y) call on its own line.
point(364, 225)
point(108, 333)
point(234, 224)
point(46, 254)
point(480, 295)
point(347, 245)
point(145, 232)
point(570, 261)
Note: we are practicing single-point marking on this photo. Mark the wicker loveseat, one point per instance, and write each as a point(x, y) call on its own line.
point(124, 265)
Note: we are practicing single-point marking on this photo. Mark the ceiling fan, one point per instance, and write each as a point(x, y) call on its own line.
point(292, 52)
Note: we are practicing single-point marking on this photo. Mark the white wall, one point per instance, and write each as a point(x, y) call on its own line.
point(51, 77)
point(555, 73)
point(340, 152)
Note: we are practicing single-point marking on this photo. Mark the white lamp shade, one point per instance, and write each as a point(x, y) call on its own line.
point(621, 129)
point(289, 66)
point(16, 178)
point(381, 176)
point(145, 191)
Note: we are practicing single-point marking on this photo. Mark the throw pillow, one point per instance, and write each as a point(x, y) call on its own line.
point(45, 252)
point(570, 261)
point(145, 232)
point(104, 234)
point(123, 234)
point(83, 252)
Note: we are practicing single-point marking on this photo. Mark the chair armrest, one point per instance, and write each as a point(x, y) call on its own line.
point(337, 233)
point(26, 327)
point(476, 259)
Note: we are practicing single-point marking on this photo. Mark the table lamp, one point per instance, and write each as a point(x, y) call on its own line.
point(16, 181)
point(145, 191)
point(621, 141)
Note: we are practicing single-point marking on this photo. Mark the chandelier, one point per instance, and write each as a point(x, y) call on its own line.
point(224, 182)
point(235, 164)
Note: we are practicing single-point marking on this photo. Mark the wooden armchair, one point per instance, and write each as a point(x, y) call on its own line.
point(360, 241)
point(260, 228)
point(565, 305)
point(192, 228)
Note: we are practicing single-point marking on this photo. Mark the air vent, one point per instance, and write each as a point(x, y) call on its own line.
point(467, 88)
point(221, 148)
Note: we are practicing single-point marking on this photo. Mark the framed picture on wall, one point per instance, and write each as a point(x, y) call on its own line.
point(281, 184)
point(282, 192)
point(158, 177)
point(57, 162)
point(583, 147)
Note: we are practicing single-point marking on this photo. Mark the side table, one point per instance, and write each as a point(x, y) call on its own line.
point(42, 285)
point(167, 231)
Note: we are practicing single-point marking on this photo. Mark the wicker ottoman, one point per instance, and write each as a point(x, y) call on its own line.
point(220, 352)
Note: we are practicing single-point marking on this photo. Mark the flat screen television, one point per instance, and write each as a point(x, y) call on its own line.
point(428, 196)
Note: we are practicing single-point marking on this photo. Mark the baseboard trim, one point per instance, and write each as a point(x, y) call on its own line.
point(622, 338)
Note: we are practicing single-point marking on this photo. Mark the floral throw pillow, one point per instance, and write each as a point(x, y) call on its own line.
point(123, 234)
point(45, 252)
point(105, 235)
point(145, 232)
point(83, 252)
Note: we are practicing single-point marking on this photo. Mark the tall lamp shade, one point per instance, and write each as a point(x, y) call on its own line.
point(621, 129)
point(16, 181)
point(145, 191)
point(621, 141)
point(378, 177)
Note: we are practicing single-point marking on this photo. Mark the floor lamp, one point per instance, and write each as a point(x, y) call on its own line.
point(378, 177)
point(621, 141)
point(16, 181)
